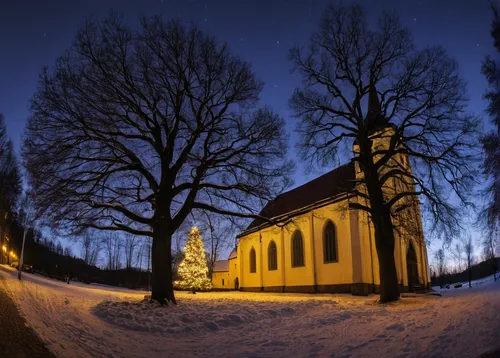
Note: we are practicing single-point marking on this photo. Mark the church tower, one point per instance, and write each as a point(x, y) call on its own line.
point(410, 251)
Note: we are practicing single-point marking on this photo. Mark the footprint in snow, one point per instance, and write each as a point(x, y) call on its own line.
point(395, 327)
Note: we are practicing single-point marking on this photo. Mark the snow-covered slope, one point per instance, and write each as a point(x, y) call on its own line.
point(465, 284)
point(79, 320)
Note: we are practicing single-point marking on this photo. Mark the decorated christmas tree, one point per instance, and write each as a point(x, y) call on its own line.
point(193, 270)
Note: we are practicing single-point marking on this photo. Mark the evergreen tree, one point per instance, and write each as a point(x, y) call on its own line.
point(10, 182)
point(193, 270)
point(10, 174)
point(491, 142)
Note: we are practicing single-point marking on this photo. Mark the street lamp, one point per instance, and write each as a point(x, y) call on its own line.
point(21, 262)
point(29, 218)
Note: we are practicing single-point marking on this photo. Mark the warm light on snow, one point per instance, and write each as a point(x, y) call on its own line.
point(79, 320)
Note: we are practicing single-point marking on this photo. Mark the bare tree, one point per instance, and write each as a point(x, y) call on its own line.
point(489, 246)
point(440, 265)
point(177, 252)
point(130, 245)
point(86, 250)
point(136, 128)
point(112, 245)
point(91, 247)
point(417, 109)
point(59, 248)
point(457, 252)
point(68, 252)
point(141, 253)
point(51, 245)
point(468, 248)
point(217, 238)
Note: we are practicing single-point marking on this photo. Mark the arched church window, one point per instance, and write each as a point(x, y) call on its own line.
point(253, 261)
point(297, 249)
point(272, 257)
point(330, 252)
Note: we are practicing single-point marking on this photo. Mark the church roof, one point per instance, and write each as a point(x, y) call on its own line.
point(329, 185)
point(221, 266)
point(233, 254)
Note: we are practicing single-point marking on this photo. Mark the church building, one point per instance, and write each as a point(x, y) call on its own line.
point(322, 245)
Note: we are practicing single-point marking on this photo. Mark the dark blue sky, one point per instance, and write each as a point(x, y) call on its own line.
point(33, 33)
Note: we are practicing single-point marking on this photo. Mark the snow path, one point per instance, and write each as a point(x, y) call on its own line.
point(79, 320)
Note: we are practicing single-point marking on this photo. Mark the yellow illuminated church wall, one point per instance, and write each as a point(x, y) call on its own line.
point(222, 280)
point(227, 280)
point(357, 268)
point(370, 259)
point(315, 271)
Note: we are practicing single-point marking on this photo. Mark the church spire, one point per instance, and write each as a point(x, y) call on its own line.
point(374, 118)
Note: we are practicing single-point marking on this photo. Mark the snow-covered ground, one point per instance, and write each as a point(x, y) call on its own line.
point(465, 284)
point(79, 320)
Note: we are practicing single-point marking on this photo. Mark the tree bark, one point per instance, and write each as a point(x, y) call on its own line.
point(470, 276)
point(384, 231)
point(162, 285)
point(384, 241)
point(494, 267)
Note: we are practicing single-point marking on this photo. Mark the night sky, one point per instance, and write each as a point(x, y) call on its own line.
point(34, 33)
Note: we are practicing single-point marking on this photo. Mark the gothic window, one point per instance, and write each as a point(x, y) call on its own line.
point(297, 249)
point(329, 243)
point(272, 257)
point(253, 261)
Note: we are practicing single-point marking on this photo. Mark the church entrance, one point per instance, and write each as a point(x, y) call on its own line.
point(236, 284)
point(412, 268)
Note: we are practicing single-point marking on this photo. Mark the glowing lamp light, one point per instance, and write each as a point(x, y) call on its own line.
point(4, 248)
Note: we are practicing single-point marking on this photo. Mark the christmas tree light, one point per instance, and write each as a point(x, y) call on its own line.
point(193, 270)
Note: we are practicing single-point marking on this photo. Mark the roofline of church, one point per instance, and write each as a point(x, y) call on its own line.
point(225, 270)
point(296, 212)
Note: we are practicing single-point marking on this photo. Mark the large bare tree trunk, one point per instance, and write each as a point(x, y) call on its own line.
point(162, 286)
point(384, 233)
point(384, 241)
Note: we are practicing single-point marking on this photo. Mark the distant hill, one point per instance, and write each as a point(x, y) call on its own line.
point(480, 270)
